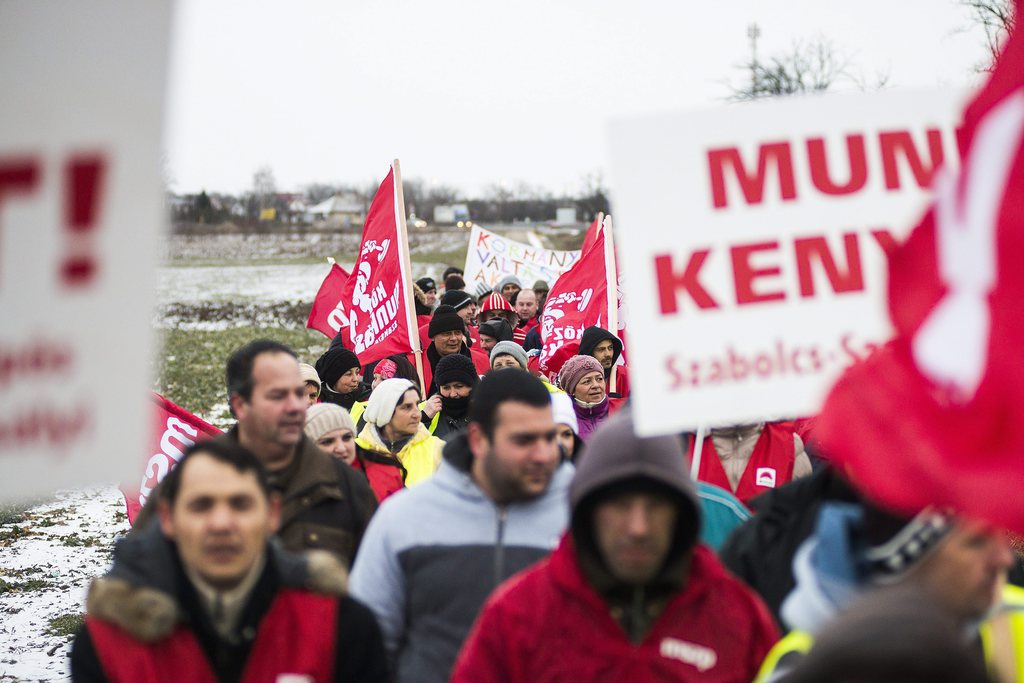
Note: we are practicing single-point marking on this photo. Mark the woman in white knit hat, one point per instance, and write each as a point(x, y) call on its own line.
point(330, 426)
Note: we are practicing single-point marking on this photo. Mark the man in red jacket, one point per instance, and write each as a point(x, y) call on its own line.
point(204, 596)
point(629, 594)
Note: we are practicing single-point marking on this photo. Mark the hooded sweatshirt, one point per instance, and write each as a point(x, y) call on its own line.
point(570, 618)
point(594, 335)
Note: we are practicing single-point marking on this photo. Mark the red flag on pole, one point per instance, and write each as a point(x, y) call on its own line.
point(328, 312)
point(377, 294)
point(577, 300)
point(174, 430)
point(591, 235)
point(937, 416)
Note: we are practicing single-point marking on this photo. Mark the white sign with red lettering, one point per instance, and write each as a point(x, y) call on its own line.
point(81, 205)
point(755, 236)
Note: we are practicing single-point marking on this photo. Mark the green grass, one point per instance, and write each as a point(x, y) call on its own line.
point(65, 625)
point(23, 587)
point(191, 364)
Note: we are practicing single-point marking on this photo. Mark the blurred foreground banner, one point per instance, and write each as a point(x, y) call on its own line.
point(81, 207)
point(756, 237)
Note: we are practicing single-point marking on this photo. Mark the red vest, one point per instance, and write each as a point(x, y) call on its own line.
point(296, 635)
point(770, 465)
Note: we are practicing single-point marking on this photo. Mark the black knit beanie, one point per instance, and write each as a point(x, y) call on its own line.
point(455, 368)
point(335, 363)
point(445, 320)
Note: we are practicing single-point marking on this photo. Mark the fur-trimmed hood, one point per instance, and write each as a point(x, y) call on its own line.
point(140, 593)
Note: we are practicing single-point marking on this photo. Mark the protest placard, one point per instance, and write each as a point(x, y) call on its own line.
point(755, 238)
point(490, 257)
point(81, 205)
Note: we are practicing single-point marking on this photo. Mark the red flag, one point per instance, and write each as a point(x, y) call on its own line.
point(591, 235)
point(937, 416)
point(174, 430)
point(577, 300)
point(376, 294)
point(328, 312)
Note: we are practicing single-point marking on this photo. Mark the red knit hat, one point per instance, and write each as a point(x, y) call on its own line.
point(496, 302)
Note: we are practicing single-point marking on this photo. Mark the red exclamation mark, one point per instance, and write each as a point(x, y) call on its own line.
point(83, 180)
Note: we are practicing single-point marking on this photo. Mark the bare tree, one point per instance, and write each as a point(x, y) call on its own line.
point(264, 187)
point(997, 18)
point(808, 67)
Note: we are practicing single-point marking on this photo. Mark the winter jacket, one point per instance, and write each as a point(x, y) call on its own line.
point(721, 513)
point(325, 504)
point(347, 401)
point(383, 471)
point(145, 621)
point(434, 552)
point(594, 335)
point(761, 551)
point(420, 455)
point(590, 416)
point(549, 624)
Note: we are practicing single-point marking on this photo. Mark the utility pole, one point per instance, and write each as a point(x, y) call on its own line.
point(753, 33)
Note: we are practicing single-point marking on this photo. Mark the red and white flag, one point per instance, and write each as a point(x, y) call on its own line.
point(577, 300)
point(174, 430)
point(937, 415)
point(328, 312)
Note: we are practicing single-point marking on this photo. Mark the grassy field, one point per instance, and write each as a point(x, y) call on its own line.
point(191, 365)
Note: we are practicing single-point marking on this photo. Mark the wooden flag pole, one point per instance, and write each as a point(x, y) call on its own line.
point(698, 449)
point(612, 286)
point(406, 266)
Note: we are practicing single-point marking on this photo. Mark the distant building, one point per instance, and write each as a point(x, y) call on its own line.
point(345, 209)
point(451, 214)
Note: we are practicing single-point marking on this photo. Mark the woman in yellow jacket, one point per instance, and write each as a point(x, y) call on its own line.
point(393, 426)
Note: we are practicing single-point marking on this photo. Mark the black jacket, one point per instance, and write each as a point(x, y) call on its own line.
point(148, 594)
point(594, 335)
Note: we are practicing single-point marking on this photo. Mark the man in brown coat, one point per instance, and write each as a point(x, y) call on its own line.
point(325, 504)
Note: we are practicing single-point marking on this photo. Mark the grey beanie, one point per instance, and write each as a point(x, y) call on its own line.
point(508, 280)
point(617, 460)
point(509, 348)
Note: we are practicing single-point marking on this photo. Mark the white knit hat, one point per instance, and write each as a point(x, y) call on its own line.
point(322, 418)
point(308, 373)
point(561, 406)
point(384, 399)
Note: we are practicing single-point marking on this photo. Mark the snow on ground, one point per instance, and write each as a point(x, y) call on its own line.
point(47, 559)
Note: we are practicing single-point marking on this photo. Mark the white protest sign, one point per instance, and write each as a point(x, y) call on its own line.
point(81, 206)
point(491, 257)
point(755, 238)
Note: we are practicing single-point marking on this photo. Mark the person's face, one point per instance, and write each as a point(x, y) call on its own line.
point(449, 342)
point(526, 304)
point(486, 315)
point(341, 443)
point(406, 420)
point(377, 379)
point(487, 343)
point(634, 534)
point(604, 352)
point(312, 393)
point(519, 460)
point(467, 313)
point(508, 290)
point(591, 388)
point(271, 421)
point(456, 390)
point(431, 297)
point(504, 360)
point(565, 437)
point(220, 520)
point(967, 572)
point(348, 382)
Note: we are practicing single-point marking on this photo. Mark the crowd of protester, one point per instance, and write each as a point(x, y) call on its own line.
point(488, 522)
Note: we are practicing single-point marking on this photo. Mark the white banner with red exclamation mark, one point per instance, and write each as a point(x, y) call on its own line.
point(81, 209)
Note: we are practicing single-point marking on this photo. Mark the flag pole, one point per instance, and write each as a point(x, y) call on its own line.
point(612, 287)
point(403, 250)
point(698, 450)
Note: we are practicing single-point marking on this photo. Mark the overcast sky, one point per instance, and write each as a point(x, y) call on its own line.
point(469, 93)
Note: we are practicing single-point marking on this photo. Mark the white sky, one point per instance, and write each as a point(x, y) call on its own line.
point(473, 92)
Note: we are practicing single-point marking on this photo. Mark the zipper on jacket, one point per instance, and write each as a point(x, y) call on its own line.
point(637, 616)
point(499, 546)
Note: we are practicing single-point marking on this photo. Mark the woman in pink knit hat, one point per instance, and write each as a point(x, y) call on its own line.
point(582, 377)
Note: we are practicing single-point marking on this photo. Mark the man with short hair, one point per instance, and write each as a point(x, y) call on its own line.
point(496, 505)
point(204, 596)
point(606, 348)
point(325, 503)
point(526, 310)
point(629, 594)
point(393, 427)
